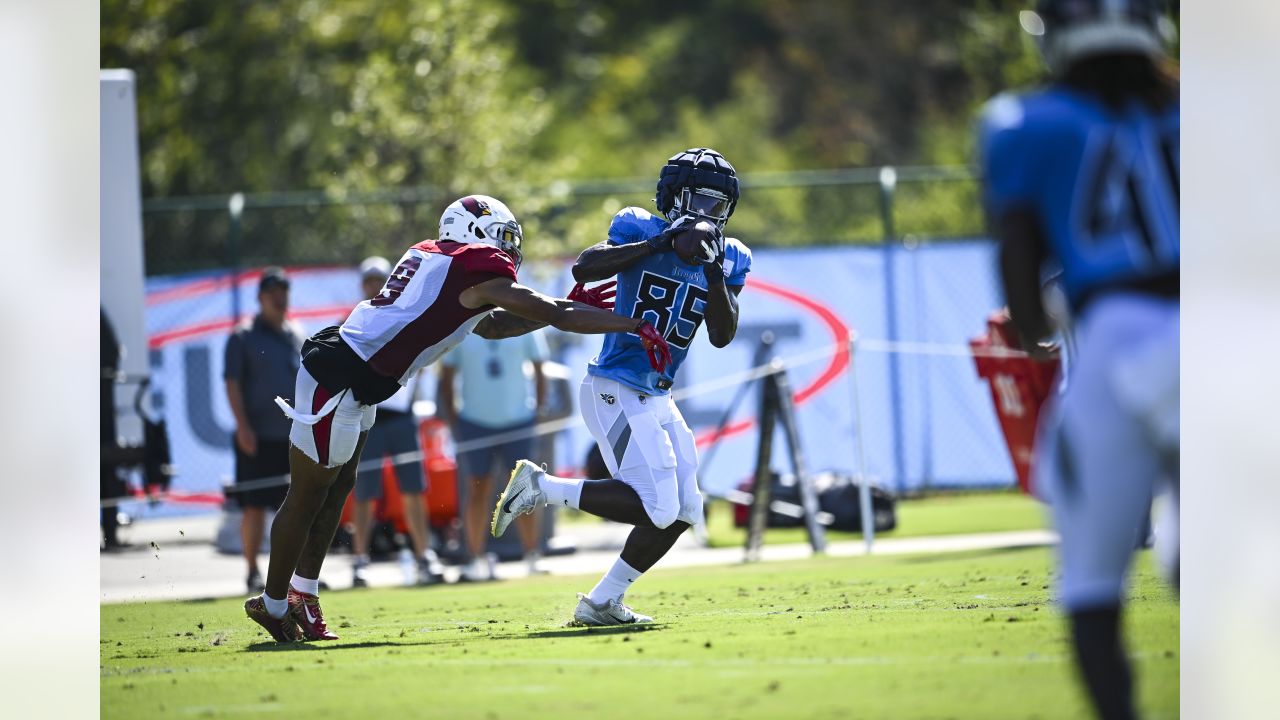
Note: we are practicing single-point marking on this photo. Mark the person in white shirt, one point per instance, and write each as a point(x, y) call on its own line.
point(501, 387)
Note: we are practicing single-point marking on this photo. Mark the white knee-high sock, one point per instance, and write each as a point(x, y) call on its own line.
point(561, 492)
point(310, 586)
point(615, 583)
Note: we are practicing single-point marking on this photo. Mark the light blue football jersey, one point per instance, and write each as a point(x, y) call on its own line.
point(1104, 183)
point(665, 291)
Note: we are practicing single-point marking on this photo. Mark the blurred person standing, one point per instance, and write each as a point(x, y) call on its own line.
point(262, 361)
point(395, 433)
point(1082, 175)
point(499, 398)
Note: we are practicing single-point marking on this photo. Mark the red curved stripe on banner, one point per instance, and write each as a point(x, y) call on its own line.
point(195, 288)
point(189, 332)
point(197, 498)
point(839, 359)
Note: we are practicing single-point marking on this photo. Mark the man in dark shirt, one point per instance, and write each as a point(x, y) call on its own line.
point(262, 362)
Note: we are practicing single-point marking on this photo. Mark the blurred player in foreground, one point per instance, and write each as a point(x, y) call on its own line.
point(647, 445)
point(440, 291)
point(1082, 176)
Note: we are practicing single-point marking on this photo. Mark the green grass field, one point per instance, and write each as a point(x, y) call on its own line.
point(966, 635)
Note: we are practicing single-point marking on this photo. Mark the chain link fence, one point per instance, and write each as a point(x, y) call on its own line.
point(790, 209)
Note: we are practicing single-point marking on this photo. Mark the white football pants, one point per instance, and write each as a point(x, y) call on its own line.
point(647, 445)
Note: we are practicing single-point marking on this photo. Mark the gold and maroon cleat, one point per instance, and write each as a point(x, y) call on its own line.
point(304, 609)
point(281, 629)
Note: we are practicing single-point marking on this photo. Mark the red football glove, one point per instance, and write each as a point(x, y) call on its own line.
point(655, 345)
point(600, 296)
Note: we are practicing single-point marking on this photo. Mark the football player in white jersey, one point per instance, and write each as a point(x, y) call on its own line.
point(1082, 176)
point(627, 405)
point(440, 291)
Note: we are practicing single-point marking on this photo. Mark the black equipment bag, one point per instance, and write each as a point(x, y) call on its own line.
point(838, 494)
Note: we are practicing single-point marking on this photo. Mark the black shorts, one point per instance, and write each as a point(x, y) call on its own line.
point(271, 463)
point(334, 365)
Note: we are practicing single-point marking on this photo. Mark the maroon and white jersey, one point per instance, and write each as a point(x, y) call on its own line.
point(417, 317)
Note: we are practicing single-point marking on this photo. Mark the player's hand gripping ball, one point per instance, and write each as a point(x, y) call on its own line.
point(700, 244)
point(662, 241)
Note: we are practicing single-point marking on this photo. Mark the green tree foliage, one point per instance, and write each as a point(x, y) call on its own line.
point(303, 94)
point(539, 101)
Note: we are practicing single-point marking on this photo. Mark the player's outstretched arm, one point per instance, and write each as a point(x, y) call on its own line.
point(538, 310)
point(1022, 250)
point(565, 315)
point(505, 324)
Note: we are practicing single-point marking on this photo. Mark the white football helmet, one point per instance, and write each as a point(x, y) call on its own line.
point(482, 219)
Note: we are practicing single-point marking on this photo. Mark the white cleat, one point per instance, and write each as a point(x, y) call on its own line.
point(521, 496)
point(611, 612)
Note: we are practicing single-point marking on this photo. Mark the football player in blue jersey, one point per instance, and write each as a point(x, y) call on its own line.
point(647, 445)
point(1081, 177)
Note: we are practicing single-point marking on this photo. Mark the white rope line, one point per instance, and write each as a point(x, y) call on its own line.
point(709, 386)
point(907, 347)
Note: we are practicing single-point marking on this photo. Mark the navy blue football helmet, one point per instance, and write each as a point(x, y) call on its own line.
point(698, 182)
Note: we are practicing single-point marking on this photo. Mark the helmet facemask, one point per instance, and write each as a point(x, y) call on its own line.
point(507, 236)
point(703, 203)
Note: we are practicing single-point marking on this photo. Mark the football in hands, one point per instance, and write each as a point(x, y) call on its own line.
point(688, 244)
